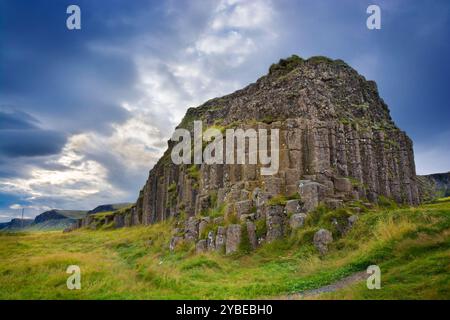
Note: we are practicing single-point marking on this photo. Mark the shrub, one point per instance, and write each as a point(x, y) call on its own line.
point(279, 200)
point(172, 187)
point(313, 218)
point(194, 172)
point(261, 228)
point(232, 219)
point(216, 211)
point(286, 65)
point(320, 59)
point(386, 203)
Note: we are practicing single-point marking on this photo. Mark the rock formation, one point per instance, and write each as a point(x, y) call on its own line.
point(337, 142)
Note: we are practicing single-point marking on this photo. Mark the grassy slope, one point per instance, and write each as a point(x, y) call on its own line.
point(72, 214)
point(411, 245)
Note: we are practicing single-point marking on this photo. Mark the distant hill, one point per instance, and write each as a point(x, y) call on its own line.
point(49, 220)
point(56, 219)
point(109, 207)
point(16, 224)
point(59, 215)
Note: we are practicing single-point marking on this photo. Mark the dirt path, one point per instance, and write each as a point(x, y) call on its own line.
point(344, 282)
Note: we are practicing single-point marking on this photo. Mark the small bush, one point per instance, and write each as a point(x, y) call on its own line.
point(232, 219)
point(279, 200)
point(213, 199)
point(387, 203)
point(261, 228)
point(194, 172)
point(216, 211)
point(286, 65)
point(313, 218)
point(320, 59)
point(172, 187)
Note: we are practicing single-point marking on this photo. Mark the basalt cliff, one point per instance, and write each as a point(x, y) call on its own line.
point(338, 147)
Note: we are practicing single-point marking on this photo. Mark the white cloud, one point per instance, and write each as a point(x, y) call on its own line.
point(186, 69)
point(78, 178)
point(236, 30)
point(231, 43)
point(243, 14)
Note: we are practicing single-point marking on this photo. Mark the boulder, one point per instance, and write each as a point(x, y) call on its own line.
point(247, 217)
point(220, 238)
point(191, 229)
point(321, 240)
point(273, 185)
point(352, 220)
point(243, 207)
point(297, 220)
point(293, 206)
point(309, 193)
point(174, 242)
point(201, 246)
point(203, 203)
point(211, 241)
point(202, 226)
point(333, 204)
point(251, 230)
point(275, 222)
point(233, 238)
point(343, 185)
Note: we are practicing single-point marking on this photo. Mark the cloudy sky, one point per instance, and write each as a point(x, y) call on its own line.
point(85, 114)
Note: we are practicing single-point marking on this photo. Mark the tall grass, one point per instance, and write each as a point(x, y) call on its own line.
point(411, 245)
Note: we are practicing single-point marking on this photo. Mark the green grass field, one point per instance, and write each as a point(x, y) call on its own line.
point(411, 246)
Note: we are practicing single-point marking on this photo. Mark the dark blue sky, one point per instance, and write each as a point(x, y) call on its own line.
point(85, 114)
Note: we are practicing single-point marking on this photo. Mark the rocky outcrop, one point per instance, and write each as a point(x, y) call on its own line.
point(297, 220)
point(434, 186)
point(233, 238)
point(322, 239)
point(275, 223)
point(338, 143)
